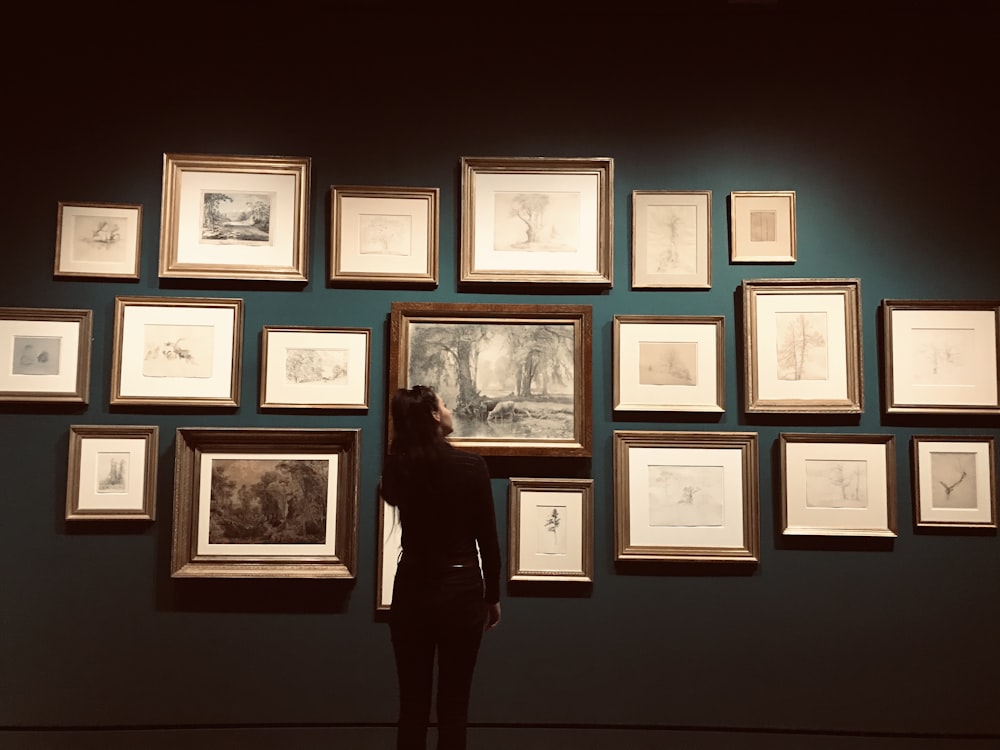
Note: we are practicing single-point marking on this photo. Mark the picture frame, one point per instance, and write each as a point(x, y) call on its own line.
point(762, 226)
point(45, 355)
point(941, 356)
point(307, 530)
point(314, 367)
point(671, 239)
point(493, 414)
point(669, 363)
point(177, 351)
point(954, 481)
point(802, 346)
point(235, 217)
point(838, 484)
point(686, 496)
point(550, 530)
point(390, 548)
point(537, 220)
point(384, 236)
point(111, 472)
point(98, 240)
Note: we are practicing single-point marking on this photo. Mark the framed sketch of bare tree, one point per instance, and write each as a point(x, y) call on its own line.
point(516, 377)
point(551, 529)
point(762, 224)
point(45, 355)
point(954, 481)
point(112, 472)
point(671, 239)
point(802, 346)
point(98, 240)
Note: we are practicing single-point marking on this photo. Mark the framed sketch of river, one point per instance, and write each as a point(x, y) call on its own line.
point(517, 378)
point(235, 217)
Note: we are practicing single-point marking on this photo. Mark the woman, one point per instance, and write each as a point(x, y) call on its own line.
point(441, 600)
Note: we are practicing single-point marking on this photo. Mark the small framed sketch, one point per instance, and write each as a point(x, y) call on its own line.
point(551, 529)
point(762, 224)
point(390, 547)
point(265, 503)
point(112, 472)
point(99, 240)
point(171, 351)
point(235, 217)
point(802, 346)
point(671, 239)
point(45, 355)
point(940, 356)
point(838, 484)
point(537, 220)
point(314, 368)
point(384, 236)
point(686, 496)
point(669, 363)
point(954, 481)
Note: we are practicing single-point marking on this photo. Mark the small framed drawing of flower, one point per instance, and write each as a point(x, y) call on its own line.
point(954, 481)
point(45, 355)
point(762, 224)
point(551, 527)
point(98, 240)
point(112, 472)
point(671, 239)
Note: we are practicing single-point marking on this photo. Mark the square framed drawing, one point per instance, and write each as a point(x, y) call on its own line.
point(235, 217)
point(390, 547)
point(265, 503)
point(306, 367)
point(762, 224)
point(537, 220)
point(551, 530)
point(671, 239)
point(172, 351)
point(384, 236)
point(45, 354)
point(940, 356)
point(669, 363)
point(686, 496)
point(99, 240)
point(516, 377)
point(954, 481)
point(112, 472)
point(802, 346)
point(838, 484)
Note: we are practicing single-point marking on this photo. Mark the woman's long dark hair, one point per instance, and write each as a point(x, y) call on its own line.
point(417, 443)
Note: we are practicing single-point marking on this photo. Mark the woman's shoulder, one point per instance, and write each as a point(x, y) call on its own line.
point(461, 457)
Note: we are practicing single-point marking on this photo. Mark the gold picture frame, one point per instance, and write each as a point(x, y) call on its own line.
point(45, 355)
point(671, 239)
point(98, 240)
point(111, 472)
point(954, 481)
point(550, 530)
point(762, 226)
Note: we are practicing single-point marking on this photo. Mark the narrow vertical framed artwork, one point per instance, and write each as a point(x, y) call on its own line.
point(671, 239)
point(389, 549)
point(112, 472)
point(954, 481)
point(45, 355)
point(98, 240)
point(762, 226)
point(551, 529)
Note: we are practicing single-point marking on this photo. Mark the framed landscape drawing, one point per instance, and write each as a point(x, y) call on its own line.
point(762, 224)
point(838, 484)
point(551, 530)
point(390, 546)
point(669, 363)
point(686, 496)
point(940, 356)
point(45, 354)
point(100, 240)
point(537, 220)
point(177, 351)
point(235, 217)
point(516, 377)
point(802, 346)
point(671, 239)
point(954, 481)
point(112, 472)
point(265, 503)
point(384, 236)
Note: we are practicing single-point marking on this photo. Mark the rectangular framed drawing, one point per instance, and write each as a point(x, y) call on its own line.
point(235, 217)
point(762, 224)
point(45, 354)
point(551, 530)
point(384, 236)
point(390, 547)
point(954, 481)
point(112, 472)
point(537, 220)
point(940, 356)
point(99, 240)
point(669, 363)
point(265, 503)
point(303, 367)
point(802, 346)
point(838, 484)
point(671, 239)
point(686, 496)
point(172, 351)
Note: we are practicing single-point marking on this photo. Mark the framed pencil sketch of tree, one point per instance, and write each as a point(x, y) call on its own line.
point(551, 529)
point(98, 240)
point(516, 377)
point(671, 239)
point(802, 346)
point(112, 472)
point(954, 481)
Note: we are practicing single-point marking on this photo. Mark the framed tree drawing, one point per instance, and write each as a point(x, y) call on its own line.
point(551, 530)
point(112, 472)
point(45, 355)
point(98, 240)
point(671, 239)
point(762, 224)
point(954, 481)
point(516, 377)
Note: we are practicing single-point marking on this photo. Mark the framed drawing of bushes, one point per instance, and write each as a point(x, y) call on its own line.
point(551, 529)
point(112, 472)
point(954, 481)
point(516, 377)
point(99, 240)
point(45, 355)
point(762, 224)
point(671, 239)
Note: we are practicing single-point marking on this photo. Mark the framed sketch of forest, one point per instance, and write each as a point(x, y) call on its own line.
point(517, 378)
point(671, 239)
point(111, 473)
point(954, 481)
point(802, 346)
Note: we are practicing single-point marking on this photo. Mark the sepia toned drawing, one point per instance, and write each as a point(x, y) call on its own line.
point(112, 472)
point(802, 345)
point(953, 480)
point(942, 356)
point(763, 226)
point(551, 537)
point(237, 218)
point(177, 351)
point(686, 495)
point(310, 366)
point(671, 239)
point(836, 484)
point(537, 222)
point(36, 355)
point(385, 234)
point(668, 363)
